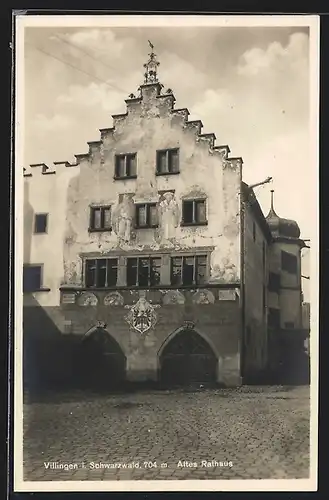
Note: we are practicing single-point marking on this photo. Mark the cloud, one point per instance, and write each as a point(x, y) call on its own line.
point(44, 124)
point(276, 58)
point(97, 95)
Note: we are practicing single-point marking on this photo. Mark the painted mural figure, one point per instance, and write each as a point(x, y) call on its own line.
point(123, 219)
point(169, 215)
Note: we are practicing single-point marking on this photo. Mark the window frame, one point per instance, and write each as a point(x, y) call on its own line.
point(167, 152)
point(148, 225)
point(125, 156)
point(102, 208)
point(96, 286)
point(194, 222)
point(185, 256)
point(46, 214)
point(149, 258)
point(41, 288)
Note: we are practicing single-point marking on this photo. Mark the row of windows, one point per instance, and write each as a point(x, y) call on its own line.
point(140, 271)
point(146, 271)
point(167, 162)
point(146, 215)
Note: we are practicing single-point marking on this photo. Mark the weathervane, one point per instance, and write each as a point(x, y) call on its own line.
point(151, 67)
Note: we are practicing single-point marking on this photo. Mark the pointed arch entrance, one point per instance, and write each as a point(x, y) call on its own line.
point(103, 363)
point(187, 359)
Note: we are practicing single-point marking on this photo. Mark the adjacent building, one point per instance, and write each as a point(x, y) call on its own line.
point(150, 260)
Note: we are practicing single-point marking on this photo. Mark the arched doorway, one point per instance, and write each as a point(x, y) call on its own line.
point(103, 363)
point(187, 359)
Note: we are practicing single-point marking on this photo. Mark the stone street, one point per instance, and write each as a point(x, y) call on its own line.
point(262, 431)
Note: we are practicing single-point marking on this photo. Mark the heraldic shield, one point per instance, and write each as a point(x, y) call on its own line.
point(142, 316)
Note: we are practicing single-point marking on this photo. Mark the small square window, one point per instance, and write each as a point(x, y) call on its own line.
point(126, 166)
point(146, 215)
point(40, 223)
point(194, 212)
point(167, 162)
point(100, 219)
point(32, 276)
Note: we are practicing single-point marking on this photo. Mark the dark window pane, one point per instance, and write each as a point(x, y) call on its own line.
point(143, 272)
point(131, 165)
point(31, 278)
point(161, 162)
point(274, 318)
point(131, 272)
point(101, 273)
point(288, 262)
point(176, 271)
point(120, 166)
point(201, 269)
point(274, 282)
point(153, 215)
point(200, 211)
point(112, 272)
point(188, 212)
point(155, 271)
point(107, 218)
point(90, 273)
point(41, 223)
point(173, 161)
point(188, 270)
point(96, 218)
point(141, 216)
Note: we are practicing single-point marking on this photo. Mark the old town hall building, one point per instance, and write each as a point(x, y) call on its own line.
point(150, 260)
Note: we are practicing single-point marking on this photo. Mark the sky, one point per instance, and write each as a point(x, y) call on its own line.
point(250, 86)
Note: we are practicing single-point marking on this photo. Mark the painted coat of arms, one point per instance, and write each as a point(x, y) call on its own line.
point(142, 316)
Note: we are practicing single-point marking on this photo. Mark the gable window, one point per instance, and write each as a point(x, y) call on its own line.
point(194, 212)
point(167, 162)
point(143, 271)
point(100, 218)
point(274, 282)
point(146, 215)
point(101, 273)
point(126, 166)
point(288, 262)
point(32, 278)
point(187, 270)
point(40, 223)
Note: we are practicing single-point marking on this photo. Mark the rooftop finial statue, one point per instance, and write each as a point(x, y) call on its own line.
point(151, 67)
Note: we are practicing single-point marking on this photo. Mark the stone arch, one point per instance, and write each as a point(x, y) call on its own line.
point(103, 361)
point(187, 357)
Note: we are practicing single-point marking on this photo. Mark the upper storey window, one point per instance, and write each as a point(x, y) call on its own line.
point(167, 162)
point(32, 278)
point(146, 215)
point(101, 273)
point(288, 262)
point(194, 212)
point(125, 166)
point(189, 270)
point(100, 219)
point(40, 223)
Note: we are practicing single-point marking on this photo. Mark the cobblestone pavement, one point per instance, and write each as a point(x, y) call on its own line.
point(264, 432)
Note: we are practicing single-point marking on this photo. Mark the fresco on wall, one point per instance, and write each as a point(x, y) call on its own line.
point(122, 220)
point(203, 297)
point(168, 217)
point(113, 299)
point(87, 299)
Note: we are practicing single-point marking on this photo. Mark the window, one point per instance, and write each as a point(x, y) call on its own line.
point(143, 271)
point(274, 318)
point(100, 219)
point(274, 282)
point(101, 273)
point(40, 223)
point(167, 162)
point(189, 270)
point(146, 215)
point(288, 262)
point(254, 231)
point(125, 166)
point(194, 212)
point(31, 278)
